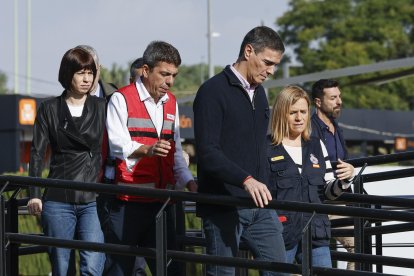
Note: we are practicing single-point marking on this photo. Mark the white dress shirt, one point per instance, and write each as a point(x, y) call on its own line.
point(246, 85)
point(120, 143)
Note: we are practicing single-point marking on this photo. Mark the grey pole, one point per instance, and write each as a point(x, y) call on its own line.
point(16, 48)
point(209, 36)
point(29, 48)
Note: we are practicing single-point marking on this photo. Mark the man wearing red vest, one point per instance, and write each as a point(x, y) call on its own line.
point(143, 132)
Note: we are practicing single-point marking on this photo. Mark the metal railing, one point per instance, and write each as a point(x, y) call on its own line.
point(10, 239)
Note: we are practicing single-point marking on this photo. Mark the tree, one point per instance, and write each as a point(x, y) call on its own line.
point(3, 83)
point(188, 80)
point(333, 34)
point(116, 75)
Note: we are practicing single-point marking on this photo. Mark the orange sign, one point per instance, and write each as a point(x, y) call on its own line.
point(185, 122)
point(27, 111)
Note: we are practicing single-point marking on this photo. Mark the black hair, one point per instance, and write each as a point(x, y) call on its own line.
point(160, 51)
point(138, 63)
point(74, 60)
point(320, 85)
point(260, 38)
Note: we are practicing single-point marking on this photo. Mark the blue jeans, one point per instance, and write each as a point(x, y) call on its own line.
point(259, 228)
point(321, 256)
point(69, 221)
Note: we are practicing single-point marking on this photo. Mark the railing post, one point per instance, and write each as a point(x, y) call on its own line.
point(367, 243)
point(359, 222)
point(161, 240)
point(378, 243)
point(307, 248)
point(2, 237)
point(13, 227)
point(180, 220)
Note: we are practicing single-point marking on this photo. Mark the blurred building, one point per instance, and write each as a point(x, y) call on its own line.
point(367, 132)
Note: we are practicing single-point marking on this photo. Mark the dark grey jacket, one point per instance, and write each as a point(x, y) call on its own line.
point(75, 147)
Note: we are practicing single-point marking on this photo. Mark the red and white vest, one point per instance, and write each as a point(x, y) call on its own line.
point(149, 172)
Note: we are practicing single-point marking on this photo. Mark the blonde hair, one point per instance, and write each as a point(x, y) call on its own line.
point(279, 126)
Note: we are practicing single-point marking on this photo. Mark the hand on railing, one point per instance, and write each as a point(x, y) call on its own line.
point(35, 206)
point(258, 191)
point(344, 171)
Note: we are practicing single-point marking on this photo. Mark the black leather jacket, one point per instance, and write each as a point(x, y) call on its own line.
point(75, 147)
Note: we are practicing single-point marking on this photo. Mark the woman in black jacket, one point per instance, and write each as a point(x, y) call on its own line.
point(300, 170)
point(72, 125)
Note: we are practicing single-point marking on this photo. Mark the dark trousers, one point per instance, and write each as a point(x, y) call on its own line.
point(103, 206)
point(133, 223)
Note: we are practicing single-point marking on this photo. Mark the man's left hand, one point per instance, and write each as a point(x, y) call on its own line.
point(192, 186)
point(345, 171)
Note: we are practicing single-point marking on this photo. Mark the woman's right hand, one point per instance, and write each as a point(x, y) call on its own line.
point(35, 206)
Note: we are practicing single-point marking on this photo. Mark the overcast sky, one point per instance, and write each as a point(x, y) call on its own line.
point(120, 30)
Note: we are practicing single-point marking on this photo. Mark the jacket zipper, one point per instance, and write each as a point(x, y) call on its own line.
point(254, 124)
point(255, 136)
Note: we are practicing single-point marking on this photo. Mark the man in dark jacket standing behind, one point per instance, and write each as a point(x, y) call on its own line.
point(231, 116)
point(328, 104)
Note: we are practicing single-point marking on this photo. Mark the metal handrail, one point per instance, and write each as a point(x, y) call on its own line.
point(247, 202)
point(178, 255)
point(380, 159)
point(208, 198)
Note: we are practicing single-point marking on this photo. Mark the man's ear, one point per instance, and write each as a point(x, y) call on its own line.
point(248, 51)
point(145, 71)
point(318, 102)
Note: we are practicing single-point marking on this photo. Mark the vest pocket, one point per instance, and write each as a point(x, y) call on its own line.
point(321, 227)
point(277, 167)
point(285, 190)
point(316, 189)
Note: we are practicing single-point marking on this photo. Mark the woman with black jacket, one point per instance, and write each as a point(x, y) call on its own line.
point(72, 124)
point(300, 170)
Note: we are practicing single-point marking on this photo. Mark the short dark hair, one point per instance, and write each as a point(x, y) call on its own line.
point(160, 51)
point(74, 60)
point(138, 63)
point(260, 38)
point(320, 85)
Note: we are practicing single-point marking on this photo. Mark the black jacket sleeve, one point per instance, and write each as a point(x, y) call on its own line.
point(39, 145)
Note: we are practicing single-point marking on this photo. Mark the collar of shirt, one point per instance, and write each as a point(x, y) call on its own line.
point(332, 141)
point(246, 85)
point(144, 95)
point(322, 123)
point(98, 92)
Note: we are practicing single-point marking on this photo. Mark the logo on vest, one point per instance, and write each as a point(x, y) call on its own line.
point(314, 160)
point(170, 117)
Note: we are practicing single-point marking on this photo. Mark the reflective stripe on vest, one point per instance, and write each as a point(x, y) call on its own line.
point(149, 172)
point(141, 185)
point(147, 123)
